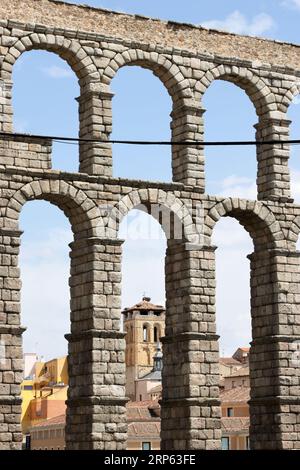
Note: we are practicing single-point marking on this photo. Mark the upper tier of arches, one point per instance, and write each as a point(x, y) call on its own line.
point(178, 78)
point(185, 82)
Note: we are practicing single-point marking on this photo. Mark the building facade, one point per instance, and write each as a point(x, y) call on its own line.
point(44, 392)
point(48, 434)
point(144, 324)
point(235, 418)
point(143, 418)
point(146, 384)
point(46, 428)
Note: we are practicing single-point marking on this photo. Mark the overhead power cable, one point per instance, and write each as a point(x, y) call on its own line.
point(193, 143)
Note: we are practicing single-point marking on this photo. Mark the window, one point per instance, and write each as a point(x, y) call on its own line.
point(27, 442)
point(146, 445)
point(225, 443)
point(233, 384)
point(230, 412)
point(28, 387)
point(145, 333)
point(141, 398)
point(247, 443)
point(155, 334)
point(131, 334)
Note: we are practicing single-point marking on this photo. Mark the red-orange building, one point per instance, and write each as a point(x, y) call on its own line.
point(48, 434)
point(235, 418)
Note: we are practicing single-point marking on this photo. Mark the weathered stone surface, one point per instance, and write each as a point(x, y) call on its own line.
point(187, 60)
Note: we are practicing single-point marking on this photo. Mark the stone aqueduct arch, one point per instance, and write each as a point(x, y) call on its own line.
point(187, 60)
point(256, 88)
point(69, 50)
point(162, 201)
point(176, 84)
point(254, 216)
point(81, 211)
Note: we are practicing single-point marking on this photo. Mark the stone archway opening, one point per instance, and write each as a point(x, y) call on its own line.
point(233, 285)
point(56, 374)
point(233, 325)
point(143, 312)
point(186, 122)
point(137, 116)
point(44, 264)
point(44, 270)
point(263, 232)
point(44, 102)
point(229, 116)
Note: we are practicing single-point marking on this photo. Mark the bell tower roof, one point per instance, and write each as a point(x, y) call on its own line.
point(143, 308)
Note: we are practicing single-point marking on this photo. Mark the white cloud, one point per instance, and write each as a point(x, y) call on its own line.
point(57, 72)
point(236, 22)
point(292, 3)
point(48, 249)
point(234, 180)
point(237, 186)
point(245, 188)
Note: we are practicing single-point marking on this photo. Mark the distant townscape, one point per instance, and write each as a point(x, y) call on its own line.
point(45, 388)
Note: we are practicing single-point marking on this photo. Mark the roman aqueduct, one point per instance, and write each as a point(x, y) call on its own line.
point(187, 59)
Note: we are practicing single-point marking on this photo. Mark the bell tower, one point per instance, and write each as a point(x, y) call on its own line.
point(144, 324)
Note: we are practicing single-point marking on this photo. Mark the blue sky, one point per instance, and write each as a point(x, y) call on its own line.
point(44, 92)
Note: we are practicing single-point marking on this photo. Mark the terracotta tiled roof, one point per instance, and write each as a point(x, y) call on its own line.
point(138, 414)
point(147, 410)
point(229, 361)
point(51, 422)
point(144, 430)
point(235, 425)
point(156, 389)
point(241, 372)
point(139, 404)
point(145, 304)
point(237, 395)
